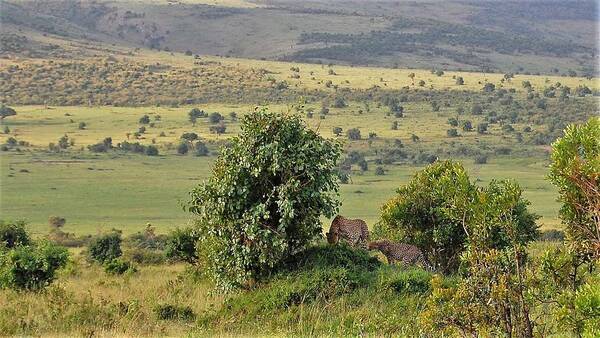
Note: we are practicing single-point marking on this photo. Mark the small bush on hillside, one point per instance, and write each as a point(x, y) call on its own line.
point(31, 267)
point(118, 267)
point(13, 234)
point(481, 159)
point(105, 248)
point(174, 312)
point(353, 134)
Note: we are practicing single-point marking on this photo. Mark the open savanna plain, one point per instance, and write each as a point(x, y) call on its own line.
point(50, 165)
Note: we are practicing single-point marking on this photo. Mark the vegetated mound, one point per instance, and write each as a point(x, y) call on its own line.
point(326, 290)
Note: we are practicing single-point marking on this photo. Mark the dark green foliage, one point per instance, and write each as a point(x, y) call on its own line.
point(182, 148)
point(201, 149)
point(482, 128)
point(105, 248)
point(453, 122)
point(353, 134)
point(118, 266)
point(460, 81)
point(452, 132)
point(574, 170)
point(151, 150)
point(181, 245)
point(481, 159)
point(31, 267)
point(339, 102)
point(145, 119)
point(174, 312)
point(215, 118)
point(189, 136)
point(13, 234)
point(6, 111)
point(218, 129)
point(101, 147)
point(82, 125)
point(434, 209)
point(467, 125)
point(263, 202)
point(194, 114)
point(337, 131)
point(379, 171)
point(412, 281)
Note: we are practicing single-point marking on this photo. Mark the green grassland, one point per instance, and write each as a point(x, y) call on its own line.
point(97, 192)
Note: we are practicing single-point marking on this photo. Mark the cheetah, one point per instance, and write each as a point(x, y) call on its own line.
point(352, 231)
point(406, 254)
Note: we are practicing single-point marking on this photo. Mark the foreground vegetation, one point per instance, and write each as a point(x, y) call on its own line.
point(280, 278)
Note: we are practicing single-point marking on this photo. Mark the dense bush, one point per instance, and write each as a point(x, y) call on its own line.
point(31, 267)
point(181, 245)
point(265, 197)
point(434, 209)
point(13, 234)
point(105, 248)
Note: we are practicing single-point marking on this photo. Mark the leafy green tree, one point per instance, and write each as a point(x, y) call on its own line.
point(215, 118)
point(195, 114)
point(575, 171)
point(433, 211)
point(494, 295)
point(265, 197)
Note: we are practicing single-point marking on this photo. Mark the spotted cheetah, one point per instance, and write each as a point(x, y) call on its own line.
point(406, 254)
point(352, 231)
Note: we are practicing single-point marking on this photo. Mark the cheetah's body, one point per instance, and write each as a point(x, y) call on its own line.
point(352, 231)
point(406, 254)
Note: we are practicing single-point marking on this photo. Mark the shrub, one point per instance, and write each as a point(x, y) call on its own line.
point(574, 170)
point(56, 222)
point(144, 119)
point(105, 248)
point(118, 267)
point(218, 129)
point(433, 210)
point(31, 267)
point(151, 150)
point(353, 134)
point(337, 131)
point(452, 132)
point(379, 171)
point(173, 312)
point(481, 159)
point(82, 126)
point(189, 136)
point(182, 148)
point(181, 245)
point(13, 234)
point(201, 149)
point(6, 111)
point(215, 118)
point(482, 128)
point(411, 281)
point(265, 197)
point(339, 102)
